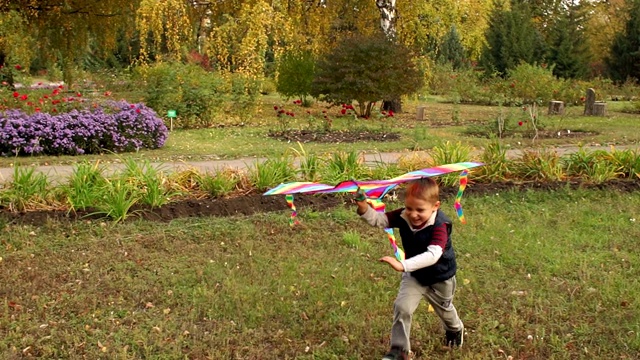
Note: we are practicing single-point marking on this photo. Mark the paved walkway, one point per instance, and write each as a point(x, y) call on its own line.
point(57, 173)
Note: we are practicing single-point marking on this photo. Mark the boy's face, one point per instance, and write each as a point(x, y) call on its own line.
point(419, 211)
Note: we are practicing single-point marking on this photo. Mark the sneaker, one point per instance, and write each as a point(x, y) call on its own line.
point(454, 338)
point(396, 354)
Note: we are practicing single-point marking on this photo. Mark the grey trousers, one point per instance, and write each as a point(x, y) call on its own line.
point(439, 295)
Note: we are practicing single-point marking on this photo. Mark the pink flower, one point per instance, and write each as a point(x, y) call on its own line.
point(138, 111)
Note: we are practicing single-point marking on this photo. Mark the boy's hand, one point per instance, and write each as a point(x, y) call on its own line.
point(395, 264)
point(360, 195)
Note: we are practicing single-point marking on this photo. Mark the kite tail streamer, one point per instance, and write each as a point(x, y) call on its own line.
point(463, 184)
point(292, 221)
point(379, 206)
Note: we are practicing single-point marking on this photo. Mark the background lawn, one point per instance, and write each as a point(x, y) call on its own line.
point(251, 138)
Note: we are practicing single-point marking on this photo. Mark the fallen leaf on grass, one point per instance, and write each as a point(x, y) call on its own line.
point(14, 306)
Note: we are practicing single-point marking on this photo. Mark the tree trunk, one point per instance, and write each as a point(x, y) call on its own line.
point(589, 101)
point(556, 107)
point(599, 109)
point(392, 105)
point(388, 16)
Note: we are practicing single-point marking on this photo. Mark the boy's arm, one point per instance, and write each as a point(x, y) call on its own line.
point(433, 253)
point(367, 213)
point(371, 216)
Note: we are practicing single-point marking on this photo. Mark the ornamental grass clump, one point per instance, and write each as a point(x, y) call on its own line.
point(82, 190)
point(151, 181)
point(115, 126)
point(27, 190)
point(342, 166)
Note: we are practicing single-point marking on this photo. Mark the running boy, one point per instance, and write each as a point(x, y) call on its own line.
point(430, 265)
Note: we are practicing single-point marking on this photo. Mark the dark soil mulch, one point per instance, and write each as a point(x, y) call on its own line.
point(257, 203)
point(334, 136)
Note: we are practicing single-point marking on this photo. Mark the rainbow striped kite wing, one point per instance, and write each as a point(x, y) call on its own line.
point(298, 187)
point(436, 171)
point(373, 188)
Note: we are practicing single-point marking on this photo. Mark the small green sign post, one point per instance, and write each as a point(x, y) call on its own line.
point(171, 114)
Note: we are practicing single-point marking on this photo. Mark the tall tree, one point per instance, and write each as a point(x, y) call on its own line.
point(568, 49)
point(424, 24)
point(624, 58)
point(606, 19)
point(63, 29)
point(15, 45)
point(511, 39)
point(452, 52)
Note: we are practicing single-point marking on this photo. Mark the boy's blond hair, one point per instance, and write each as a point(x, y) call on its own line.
point(425, 189)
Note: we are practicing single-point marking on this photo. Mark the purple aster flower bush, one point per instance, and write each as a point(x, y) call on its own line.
point(114, 126)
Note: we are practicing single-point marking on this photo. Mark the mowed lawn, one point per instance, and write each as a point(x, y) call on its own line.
point(542, 275)
point(251, 139)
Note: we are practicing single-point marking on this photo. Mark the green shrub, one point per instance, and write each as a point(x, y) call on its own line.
point(195, 94)
point(244, 96)
point(366, 69)
point(532, 83)
point(295, 74)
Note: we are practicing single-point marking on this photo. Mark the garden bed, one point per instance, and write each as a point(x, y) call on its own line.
point(334, 136)
point(257, 203)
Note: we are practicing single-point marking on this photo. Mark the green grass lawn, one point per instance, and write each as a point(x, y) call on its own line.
point(542, 275)
point(251, 139)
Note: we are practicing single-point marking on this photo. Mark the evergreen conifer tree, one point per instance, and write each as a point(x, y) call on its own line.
point(452, 51)
point(511, 39)
point(568, 49)
point(624, 57)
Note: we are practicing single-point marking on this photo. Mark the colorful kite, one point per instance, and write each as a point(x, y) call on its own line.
point(375, 190)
